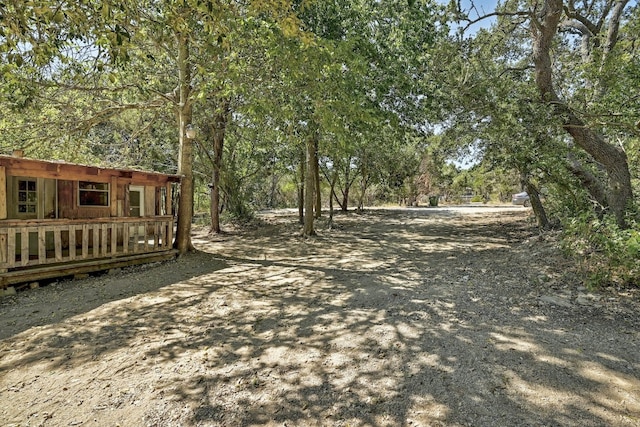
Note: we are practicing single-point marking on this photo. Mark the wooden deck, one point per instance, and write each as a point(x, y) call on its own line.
point(38, 249)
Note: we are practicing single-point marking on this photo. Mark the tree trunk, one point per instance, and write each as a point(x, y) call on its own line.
point(344, 206)
point(336, 199)
point(612, 157)
point(301, 179)
point(363, 189)
point(332, 180)
point(595, 187)
point(219, 128)
point(364, 183)
point(332, 184)
point(214, 201)
point(185, 156)
point(316, 176)
point(536, 205)
point(309, 199)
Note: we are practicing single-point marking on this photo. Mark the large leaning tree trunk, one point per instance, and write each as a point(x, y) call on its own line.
point(185, 155)
point(219, 126)
point(544, 28)
point(589, 181)
point(536, 203)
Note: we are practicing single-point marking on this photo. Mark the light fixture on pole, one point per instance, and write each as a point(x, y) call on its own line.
point(191, 132)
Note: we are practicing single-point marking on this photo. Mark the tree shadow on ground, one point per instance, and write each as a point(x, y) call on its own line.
point(67, 298)
point(388, 322)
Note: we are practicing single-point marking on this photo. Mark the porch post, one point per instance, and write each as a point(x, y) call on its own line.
point(3, 193)
point(3, 215)
point(113, 195)
point(168, 202)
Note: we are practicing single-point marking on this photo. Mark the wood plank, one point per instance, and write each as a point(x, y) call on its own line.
point(72, 242)
point(57, 239)
point(18, 223)
point(42, 245)
point(158, 198)
point(136, 238)
point(104, 243)
point(168, 202)
point(99, 239)
point(24, 247)
point(58, 170)
point(156, 235)
point(113, 196)
point(146, 237)
point(127, 202)
point(66, 199)
point(11, 247)
point(47, 272)
point(150, 201)
point(114, 239)
point(165, 234)
point(3, 248)
point(162, 234)
point(97, 212)
point(3, 193)
point(41, 198)
point(125, 238)
point(85, 241)
point(42, 169)
point(96, 240)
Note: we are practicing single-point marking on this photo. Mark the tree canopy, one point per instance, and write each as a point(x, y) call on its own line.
point(305, 103)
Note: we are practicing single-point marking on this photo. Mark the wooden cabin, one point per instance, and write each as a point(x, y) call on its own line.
point(61, 219)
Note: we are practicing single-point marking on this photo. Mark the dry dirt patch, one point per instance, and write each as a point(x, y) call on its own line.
point(394, 317)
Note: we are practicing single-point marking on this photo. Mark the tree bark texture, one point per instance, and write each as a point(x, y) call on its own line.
point(301, 179)
point(332, 184)
point(185, 155)
point(612, 157)
point(595, 187)
point(348, 181)
point(309, 196)
point(316, 176)
point(219, 128)
point(536, 205)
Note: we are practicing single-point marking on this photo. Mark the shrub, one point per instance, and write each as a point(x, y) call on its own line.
point(606, 254)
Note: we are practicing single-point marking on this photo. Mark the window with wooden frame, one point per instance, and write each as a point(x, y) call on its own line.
point(93, 193)
point(27, 196)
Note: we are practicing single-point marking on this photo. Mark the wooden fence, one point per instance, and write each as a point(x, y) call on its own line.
point(32, 243)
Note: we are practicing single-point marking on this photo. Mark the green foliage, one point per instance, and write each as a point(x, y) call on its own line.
point(604, 253)
point(371, 78)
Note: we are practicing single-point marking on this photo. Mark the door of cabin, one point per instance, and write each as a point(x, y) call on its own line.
point(136, 204)
point(136, 201)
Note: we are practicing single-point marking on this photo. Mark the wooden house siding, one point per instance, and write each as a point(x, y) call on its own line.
point(3, 200)
point(59, 218)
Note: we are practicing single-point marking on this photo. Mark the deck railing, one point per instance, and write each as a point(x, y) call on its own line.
point(41, 242)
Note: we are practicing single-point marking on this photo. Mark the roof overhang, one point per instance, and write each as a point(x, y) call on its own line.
point(20, 166)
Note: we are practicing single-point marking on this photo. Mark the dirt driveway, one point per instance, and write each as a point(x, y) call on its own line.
point(414, 317)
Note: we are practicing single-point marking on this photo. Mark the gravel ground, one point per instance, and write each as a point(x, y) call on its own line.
point(396, 317)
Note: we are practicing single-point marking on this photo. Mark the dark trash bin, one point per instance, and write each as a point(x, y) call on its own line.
point(433, 200)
